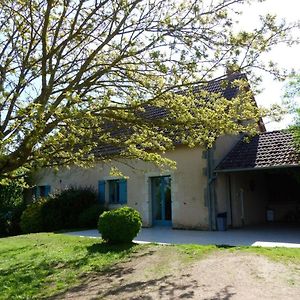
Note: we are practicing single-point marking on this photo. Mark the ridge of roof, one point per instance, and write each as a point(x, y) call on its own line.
point(152, 112)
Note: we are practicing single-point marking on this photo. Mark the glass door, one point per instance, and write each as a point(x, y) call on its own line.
point(161, 200)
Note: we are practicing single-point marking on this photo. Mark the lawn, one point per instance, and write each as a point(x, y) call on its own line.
point(40, 265)
point(279, 254)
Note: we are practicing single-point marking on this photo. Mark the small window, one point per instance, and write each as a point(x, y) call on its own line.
point(114, 195)
point(42, 191)
point(117, 190)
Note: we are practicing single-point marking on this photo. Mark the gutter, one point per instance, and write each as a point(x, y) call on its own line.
point(257, 169)
point(211, 177)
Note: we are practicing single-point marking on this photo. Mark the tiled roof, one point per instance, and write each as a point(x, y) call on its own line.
point(266, 150)
point(221, 85)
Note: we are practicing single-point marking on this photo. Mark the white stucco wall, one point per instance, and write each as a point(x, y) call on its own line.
point(187, 185)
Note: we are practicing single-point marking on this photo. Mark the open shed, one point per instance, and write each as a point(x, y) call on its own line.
point(263, 181)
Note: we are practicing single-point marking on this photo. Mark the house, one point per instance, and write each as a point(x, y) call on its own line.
point(229, 178)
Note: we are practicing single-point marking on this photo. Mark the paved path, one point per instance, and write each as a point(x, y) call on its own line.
point(267, 236)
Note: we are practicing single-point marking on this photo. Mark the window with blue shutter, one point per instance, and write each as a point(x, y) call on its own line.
point(101, 191)
point(117, 191)
point(36, 192)
point(114, 191)
point(122, 191)
point(41, 191)
point(47, 190)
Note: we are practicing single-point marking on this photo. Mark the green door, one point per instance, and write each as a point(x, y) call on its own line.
point(161, 200)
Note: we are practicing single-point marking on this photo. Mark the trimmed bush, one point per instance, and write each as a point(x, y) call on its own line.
point(32, 218)
point(52, 213)
point(11, 207)
point(120, 225)
point(90, 216)
point(62, 211)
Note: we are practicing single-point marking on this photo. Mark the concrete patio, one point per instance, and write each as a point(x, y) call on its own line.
point(264, 236)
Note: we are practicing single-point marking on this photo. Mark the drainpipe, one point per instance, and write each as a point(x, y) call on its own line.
point(242, 207)
point(230, 199)
point(211, 177)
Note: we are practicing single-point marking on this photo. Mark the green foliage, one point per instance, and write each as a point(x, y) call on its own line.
point(32, 217)
point(292, 104)
point(90, 216)
point(120, 225)
point(292, 92)
point(285, 255)
point(62, 211)
point(60, 86)
point(37, 266)
point(11, 196)
point(11, 207)
point(59, 211)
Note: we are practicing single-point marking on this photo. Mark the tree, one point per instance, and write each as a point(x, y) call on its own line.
point(75, 72)
point(292, 94)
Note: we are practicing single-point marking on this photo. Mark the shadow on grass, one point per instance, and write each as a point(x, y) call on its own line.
point(225, 246)
point(104, 248)
point(99, 278)
point(121, 282)
point(31, 275)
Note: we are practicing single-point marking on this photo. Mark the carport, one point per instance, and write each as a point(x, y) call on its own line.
point(262, 179)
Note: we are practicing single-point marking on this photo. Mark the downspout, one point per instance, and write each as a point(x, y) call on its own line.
point(230, 199)
point(211, 177)
point(242, 207)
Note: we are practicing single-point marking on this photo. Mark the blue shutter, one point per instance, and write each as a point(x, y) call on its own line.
point(47, 190)
point(36, 192)
point(123, 191)
point(101, 191)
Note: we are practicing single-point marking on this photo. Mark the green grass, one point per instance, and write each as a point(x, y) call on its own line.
point(280, 254)
point(39, 265)
point(191, 252)
point(284, 255)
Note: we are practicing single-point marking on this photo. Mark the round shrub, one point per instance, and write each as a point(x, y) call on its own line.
point(120, 225)
point(90, 216)
point(32, 219)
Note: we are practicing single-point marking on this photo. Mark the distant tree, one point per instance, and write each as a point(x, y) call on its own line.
point(71, 68)
point(292, 92)
point(291, 102)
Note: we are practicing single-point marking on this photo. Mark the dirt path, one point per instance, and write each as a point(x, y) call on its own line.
point(162, 273)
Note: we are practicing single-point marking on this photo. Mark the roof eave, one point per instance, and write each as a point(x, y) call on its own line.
point(256, 169)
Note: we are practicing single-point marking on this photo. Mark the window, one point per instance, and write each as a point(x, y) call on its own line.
point(42, 191)
point(116, 189)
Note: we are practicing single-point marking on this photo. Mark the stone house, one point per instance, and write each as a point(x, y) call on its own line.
point(233, 177)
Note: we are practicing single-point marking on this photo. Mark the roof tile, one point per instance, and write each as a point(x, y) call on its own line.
point(268, 149)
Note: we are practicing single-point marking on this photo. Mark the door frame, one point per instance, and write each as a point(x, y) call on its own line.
point(161, 222)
